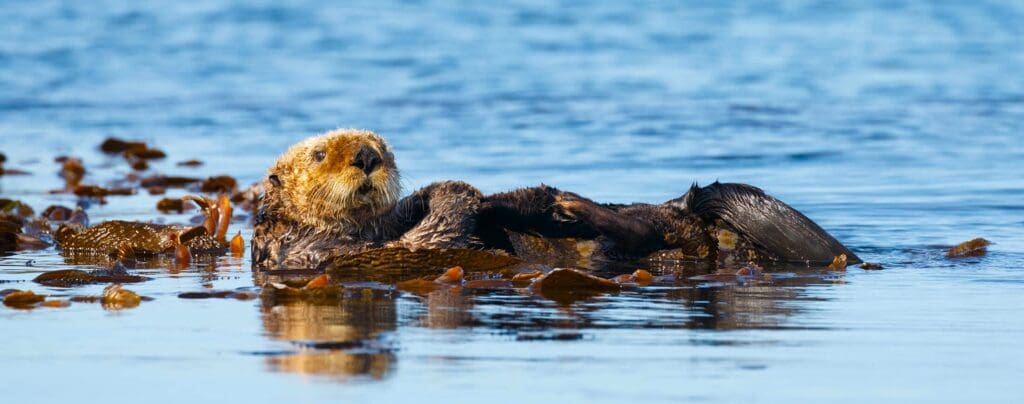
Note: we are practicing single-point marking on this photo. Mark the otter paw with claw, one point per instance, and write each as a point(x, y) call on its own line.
point(569, 207)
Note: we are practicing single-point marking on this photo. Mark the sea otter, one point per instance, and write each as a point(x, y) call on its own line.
point(336, 195)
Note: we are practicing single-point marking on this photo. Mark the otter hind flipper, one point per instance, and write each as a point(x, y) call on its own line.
point(766, 221)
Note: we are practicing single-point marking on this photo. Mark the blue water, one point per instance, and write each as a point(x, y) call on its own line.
point(895, 125)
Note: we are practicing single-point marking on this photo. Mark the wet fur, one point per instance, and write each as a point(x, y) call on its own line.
point(766, 229)
point(312, 211)
point(768, 223)
point(325, 194)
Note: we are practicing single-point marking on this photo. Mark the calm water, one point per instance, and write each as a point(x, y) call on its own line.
point(896, 125)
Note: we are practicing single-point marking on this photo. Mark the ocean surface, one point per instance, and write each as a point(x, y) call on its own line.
point(895, 125)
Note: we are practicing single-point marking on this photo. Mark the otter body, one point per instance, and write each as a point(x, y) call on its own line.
point(335, 195)
point(725, 225)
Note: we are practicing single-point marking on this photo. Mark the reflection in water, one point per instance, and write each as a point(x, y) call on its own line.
point(340, 339)
point(447, 309)
point(352, 337)
point(756, 306)
point(207, 266)
point(204, 262)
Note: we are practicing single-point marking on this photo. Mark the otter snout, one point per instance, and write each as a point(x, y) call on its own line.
point(366, 159)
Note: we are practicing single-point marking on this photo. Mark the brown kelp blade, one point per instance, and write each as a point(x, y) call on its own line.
point(224, 217)
point(569, 285)
point(972, 248)
point(192, 233)
point(75, 277)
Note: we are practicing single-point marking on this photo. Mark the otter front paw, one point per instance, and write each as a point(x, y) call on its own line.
point(570, 208)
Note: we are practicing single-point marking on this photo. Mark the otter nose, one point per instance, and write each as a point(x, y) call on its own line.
point(366, 159)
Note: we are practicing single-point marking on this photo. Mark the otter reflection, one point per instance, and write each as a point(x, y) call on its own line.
point(447, 309)
point(342, 339)
point(759, 305)
point(770, 303)
point(353, 336)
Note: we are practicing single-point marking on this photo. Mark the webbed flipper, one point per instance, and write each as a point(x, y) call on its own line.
point(767, 222)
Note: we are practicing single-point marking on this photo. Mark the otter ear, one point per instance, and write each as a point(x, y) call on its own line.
point(274, 180)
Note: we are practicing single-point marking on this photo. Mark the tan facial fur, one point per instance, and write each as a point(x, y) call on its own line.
point(336, 188)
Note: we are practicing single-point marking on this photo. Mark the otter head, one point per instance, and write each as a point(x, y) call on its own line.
point(343, 177)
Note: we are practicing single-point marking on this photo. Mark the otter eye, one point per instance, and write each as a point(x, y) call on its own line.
point(319, 156)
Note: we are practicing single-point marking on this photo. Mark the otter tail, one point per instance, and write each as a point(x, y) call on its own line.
point(765, 221)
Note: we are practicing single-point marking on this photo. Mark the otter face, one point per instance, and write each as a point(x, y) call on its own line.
point(344, 176)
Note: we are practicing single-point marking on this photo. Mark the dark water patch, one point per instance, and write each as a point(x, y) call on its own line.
point(762, 109)
point(999, 281)
point(356, 345)
point(564, 336)
point(269, 353)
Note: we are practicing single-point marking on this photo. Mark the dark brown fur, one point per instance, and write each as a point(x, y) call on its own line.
point(301, 226)
point(728, 224)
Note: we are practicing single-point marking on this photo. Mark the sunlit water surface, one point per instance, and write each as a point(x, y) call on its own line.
point(895, 125)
